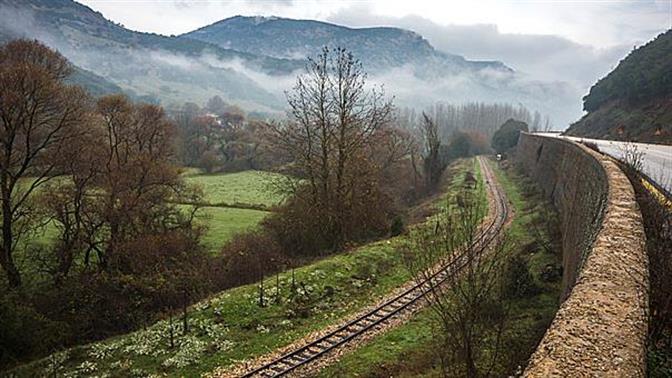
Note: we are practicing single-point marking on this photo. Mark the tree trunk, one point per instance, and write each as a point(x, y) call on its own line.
point(471, 370)
point(6, 259)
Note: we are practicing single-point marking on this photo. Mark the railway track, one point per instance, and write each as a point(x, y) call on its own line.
point(310, 352)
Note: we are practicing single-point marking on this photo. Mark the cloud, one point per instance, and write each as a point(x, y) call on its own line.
point(553, 71)
point(275, 84)
point(598, 23)
point(552, 59)
point(570, 43)
point(181, 16)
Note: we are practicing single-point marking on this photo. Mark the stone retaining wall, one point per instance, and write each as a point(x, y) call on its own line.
point(600, 328)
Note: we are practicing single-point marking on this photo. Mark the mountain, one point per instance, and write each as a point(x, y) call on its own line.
point(410, 68)
point(634, 101)
point(379, 48)
point(96, 85)
point(169, 68)
point(251, 61)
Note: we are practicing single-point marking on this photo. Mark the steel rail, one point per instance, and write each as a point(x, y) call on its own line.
point(301, 356)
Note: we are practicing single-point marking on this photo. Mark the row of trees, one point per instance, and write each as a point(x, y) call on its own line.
point(474, 117)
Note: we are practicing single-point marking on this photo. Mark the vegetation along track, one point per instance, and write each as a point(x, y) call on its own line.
point(367, 322)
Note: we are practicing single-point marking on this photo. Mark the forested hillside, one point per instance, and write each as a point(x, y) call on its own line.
point(634, 101)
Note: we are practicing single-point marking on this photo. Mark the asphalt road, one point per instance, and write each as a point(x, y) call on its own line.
point(657, 158)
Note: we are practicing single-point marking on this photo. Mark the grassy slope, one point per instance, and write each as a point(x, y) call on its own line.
point(406, 351)
point(231, 326)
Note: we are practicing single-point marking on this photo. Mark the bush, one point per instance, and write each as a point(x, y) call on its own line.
point(305, 228)
point(25, 332)
point(397, 227)
point(156, 273)
point(249, 256)
point(518, 281)
point(592, 145)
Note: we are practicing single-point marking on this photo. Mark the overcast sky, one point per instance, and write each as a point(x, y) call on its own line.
point(566, 40)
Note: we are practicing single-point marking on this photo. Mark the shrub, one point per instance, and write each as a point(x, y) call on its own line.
point(397, 227)
point(26, 332)
point(592, 145)
point(248, 257)
point(518, 281)
point(305, 228)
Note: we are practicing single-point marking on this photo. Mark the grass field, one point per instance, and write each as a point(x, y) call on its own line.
point(234, 202)
point(223, 223)
point(408, 350)
point(247, 187)
point(244, 189)
point(231, 326)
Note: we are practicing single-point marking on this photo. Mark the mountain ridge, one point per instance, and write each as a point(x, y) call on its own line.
point(172, 70)
point(168, 68)
point(379, 47)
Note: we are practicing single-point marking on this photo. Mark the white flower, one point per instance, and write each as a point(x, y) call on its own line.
point(86, 367)
point(137, 372)
point(202, 306)
point(225, 345)
point(189, 351)
point(101, 351)
point(56, 361)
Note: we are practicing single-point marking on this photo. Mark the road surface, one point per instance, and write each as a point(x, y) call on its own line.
point(657, 158)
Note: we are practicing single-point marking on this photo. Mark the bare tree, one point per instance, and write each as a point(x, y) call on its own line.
point(39, 117)
point(468, 307)
point(69, 205)
point(334, 121)
point(137, 175)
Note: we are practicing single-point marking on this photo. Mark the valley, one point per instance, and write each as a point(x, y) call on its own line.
point(232, 326)
point(335, 189)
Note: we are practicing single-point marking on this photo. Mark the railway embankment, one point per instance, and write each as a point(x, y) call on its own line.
point(600, 328)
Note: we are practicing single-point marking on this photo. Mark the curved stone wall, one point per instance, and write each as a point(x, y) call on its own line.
point(600, 328)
